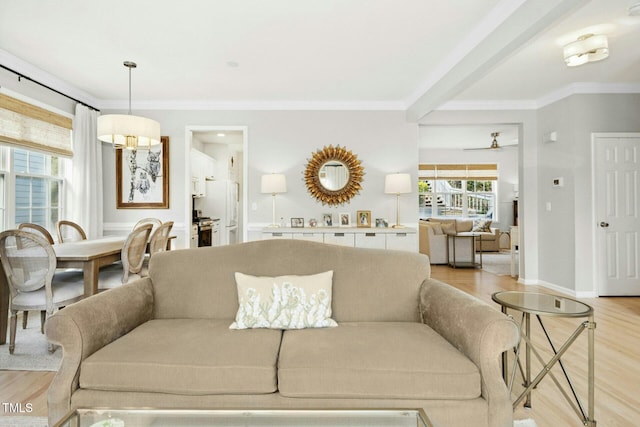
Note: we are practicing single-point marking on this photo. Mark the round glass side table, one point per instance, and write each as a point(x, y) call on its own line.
point(546, 305)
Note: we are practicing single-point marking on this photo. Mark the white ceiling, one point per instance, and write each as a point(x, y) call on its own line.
point(462, 137)
point(412, 55)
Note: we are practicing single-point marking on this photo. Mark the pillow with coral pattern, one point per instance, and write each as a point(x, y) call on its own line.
point(284, 302)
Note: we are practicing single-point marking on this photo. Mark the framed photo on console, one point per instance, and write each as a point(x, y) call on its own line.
point(345, 219)
point(142, 177)
point(382, 223)
point(364, 218)
point(327, 220)
point(297, 222)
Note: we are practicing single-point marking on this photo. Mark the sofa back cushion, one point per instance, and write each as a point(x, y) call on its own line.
point(368, 284)
point(464, 225)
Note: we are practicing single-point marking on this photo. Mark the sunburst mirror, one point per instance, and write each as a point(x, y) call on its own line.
point(333, 175)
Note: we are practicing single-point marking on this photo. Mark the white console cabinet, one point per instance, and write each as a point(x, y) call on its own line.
point(405, 239)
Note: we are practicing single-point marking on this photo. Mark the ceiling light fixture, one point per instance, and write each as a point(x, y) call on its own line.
point(588, 48)
point(128, 131)
point(634, 9)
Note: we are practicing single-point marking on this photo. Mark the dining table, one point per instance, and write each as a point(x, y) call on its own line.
point(88, 255)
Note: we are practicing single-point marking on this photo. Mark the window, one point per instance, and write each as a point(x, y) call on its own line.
point(462, 191)
point(37, 187)
point(36, 147)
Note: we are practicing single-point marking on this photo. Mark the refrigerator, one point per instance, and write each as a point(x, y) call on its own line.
point(221, 201)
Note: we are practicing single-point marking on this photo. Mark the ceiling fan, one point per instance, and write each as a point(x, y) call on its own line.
point(494, 144)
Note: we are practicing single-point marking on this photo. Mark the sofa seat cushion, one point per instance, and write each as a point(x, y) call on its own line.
point(186, 356)
point(386, 360)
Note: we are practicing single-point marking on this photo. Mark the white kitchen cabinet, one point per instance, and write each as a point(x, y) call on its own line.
point(202, 167)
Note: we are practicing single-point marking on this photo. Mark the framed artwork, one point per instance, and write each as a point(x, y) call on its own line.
point(142, 177)
point(327, 220)
point(345, 219)
point(297, 222)
point(382, 223)
point(364, 218)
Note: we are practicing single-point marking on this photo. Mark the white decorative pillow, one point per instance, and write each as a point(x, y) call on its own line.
point(481, 226)
point(284, 302)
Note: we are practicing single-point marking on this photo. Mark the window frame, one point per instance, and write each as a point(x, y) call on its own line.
point(10, 175)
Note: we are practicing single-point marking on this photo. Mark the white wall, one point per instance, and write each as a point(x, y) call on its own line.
point(507, 161)
point(283, 141)
point(568, 262)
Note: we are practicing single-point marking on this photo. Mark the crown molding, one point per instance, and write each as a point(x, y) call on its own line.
point(583, 88)
point(488, 105)
point(255, 105)
point(35, 73)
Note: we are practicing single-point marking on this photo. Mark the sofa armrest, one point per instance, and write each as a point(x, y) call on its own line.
point(88, 325)
point(480, 332)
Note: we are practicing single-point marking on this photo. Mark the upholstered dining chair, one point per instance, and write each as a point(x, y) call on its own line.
point(29, 263)
point(69, 231)
point(40, 231)
point(132, 257)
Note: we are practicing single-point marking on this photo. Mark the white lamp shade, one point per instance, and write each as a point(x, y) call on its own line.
point(588, 48)
point(274, 183)
point(397, 183)
point(128, 131)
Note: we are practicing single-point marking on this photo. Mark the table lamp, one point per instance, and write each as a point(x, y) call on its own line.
point(274, 183)
point(397, 183)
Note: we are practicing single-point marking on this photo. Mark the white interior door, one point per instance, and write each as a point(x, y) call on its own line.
point(616, 200)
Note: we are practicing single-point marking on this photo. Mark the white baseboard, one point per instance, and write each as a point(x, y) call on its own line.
point(570, 292)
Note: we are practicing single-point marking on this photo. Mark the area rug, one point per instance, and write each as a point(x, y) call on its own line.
point(524, 423)
point(23, 421)
point(497, 263)
point(31, 352)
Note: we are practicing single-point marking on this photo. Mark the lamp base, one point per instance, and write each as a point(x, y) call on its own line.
point(273, 226)
point(398, 226)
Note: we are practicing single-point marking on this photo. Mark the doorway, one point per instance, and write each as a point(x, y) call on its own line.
point(616, 171)
point(218, 192)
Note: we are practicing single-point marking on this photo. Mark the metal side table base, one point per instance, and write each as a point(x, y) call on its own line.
point(549, 305)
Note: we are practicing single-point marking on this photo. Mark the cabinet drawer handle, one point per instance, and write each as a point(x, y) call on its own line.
point(338, 234)
point(370, 234)
point(276, 234)
point(401, 234)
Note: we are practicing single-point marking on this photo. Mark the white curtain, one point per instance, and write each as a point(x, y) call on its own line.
point(86, 179)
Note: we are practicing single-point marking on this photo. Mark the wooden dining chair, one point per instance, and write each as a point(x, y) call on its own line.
point(37, 229)
point(43, 232)
point(29, 263)
point(153, 221)
point(157, 243)
point(69, 231)
point(132, 257)
point(160, 237)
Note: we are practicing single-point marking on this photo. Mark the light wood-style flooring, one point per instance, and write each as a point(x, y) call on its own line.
point(617, 358)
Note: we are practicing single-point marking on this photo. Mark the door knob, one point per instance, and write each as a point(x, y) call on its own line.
point(604, 224)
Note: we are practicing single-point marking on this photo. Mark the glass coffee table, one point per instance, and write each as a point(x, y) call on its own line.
point(547, 305)
point(245, 418)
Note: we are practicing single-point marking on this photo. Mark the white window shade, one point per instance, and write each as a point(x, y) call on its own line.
point(476, 172)
point(33, 127)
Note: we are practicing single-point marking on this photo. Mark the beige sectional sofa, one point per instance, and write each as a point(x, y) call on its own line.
point(432, 234)
point(403, 340)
